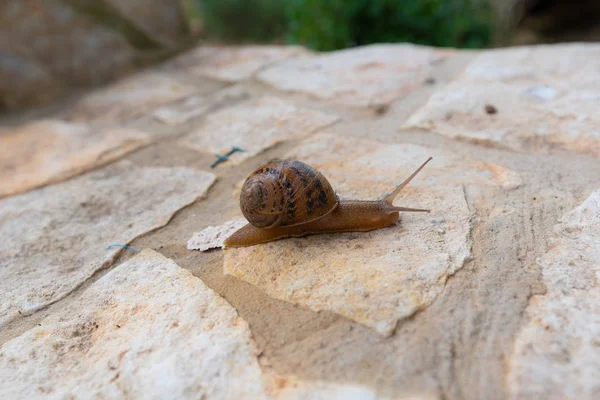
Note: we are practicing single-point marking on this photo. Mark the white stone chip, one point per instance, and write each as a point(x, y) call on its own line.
point(213, 237)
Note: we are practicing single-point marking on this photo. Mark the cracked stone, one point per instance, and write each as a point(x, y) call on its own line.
point(556, 353)
point(254, 126)
point(48, 151)
point(147, 329)
point(365, 76)
point(55, 238)
point(542, 101)
point(130, 97)
point(234, 63)
point(182, 111)
point(380, 277)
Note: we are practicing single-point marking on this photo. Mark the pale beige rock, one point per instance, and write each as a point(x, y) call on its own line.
point(213, 237)
point(325, 391)
point(542, 101)
point(48, 151)
point(146, 330)
point(379, 277)
point(130, 97)
point(363, 76)
point(254, 126)
point(297, 389)
point(556, 353)
point(534, 63)
point(182, 111)
point(55, 238)
point(234, 63)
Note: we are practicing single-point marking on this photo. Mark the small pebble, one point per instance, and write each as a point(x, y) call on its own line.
point(490, 109)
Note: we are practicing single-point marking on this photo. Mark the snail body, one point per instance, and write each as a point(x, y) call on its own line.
point(283, 199)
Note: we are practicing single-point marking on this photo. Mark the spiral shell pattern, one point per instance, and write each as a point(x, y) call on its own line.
point(284, 193)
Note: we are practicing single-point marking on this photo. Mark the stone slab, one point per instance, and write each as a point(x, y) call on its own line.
point(364, 76)
point(556, 354)
point(55, 238)
point(130, 97)
point(48, 151)
point(534, 63)
point(298, 389)
point(254, 126)
point(526, 99)
point(233, 63)
point(375, 278)
point(147, 329)
point(182, 111)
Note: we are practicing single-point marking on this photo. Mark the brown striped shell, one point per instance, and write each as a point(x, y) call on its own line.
point(284, 193)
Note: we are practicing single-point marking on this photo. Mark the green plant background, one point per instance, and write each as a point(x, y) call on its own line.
point(337, 24)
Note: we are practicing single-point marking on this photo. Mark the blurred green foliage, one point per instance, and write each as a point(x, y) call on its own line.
point(244, 20)
point(336, 24)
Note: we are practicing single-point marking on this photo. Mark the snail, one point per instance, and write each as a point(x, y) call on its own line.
point(289, 198)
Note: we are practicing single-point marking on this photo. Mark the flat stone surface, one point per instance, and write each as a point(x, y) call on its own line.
point(375, 278)
point(55, 238)
point(556, 353)
point(234, 63)
point(254, 126)
point(525, 99)
point(130, 97)
point(48, 151)
point(533, 63)
point(182, 111)
point(363, 76)
point(298, 389)
point(518, 320)
point(325, 391)
point(147, 329)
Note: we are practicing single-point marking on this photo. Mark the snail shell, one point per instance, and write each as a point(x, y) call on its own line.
point(286, 193)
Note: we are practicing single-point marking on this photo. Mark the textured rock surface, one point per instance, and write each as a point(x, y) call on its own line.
point(47, 151)
point(130, 97)
point(369, 75)
point(501, 306)
point(213, 236)
point(379, 277)
point(233, 64)
point(181, 111)
point(556, 353)
point(55, 238)
point(147, 329)
point(324, 390)
point(254, 126)
point(524, 99)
